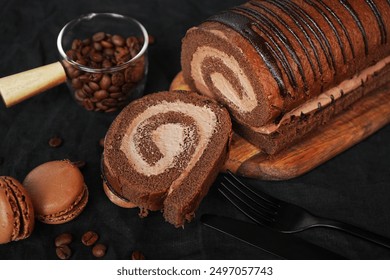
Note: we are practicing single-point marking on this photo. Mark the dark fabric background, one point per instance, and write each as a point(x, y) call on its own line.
point(353, 187)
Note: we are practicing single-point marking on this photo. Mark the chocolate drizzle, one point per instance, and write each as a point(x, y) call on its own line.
point(243, 25)
point(379, 20)
point(289, 29)
point(265, 22)
point(341, 24)
point(358, 22)
point(340, 42)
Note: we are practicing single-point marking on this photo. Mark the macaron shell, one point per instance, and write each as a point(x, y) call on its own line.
point(68, 214)
point(18, 213)
point(25, 207)
point(6, 216)
point(57, 191)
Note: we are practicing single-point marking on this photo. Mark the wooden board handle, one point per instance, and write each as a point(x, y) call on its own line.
point(20, 86)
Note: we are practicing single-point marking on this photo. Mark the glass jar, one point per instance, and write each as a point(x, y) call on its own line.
point(105, 59)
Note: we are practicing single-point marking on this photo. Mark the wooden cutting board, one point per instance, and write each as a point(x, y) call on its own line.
point(365, 117)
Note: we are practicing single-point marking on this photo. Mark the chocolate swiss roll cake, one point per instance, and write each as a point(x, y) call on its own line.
point(285, 67)
point(163, 152)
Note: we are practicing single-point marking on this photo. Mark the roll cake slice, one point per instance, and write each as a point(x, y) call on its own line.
point(285, 67)
point(163, 152)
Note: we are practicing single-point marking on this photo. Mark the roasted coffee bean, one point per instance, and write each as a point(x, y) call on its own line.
point(79, 163)
point(94, 86)
point(116, 95)
point(151, 40)
point(105, 82)
point(98, 91)
point(95, 77)
point(117, 79)
point(88, 105)
point(100, 94)
point(110, 102)
point(100, 106)
point(101, 142)
point(96, 56)
point(97, 46)
point(55, 141)
point(77, 83)
point(63, 252)
point(118, 40)
point(63, 239)
point(113, 109)
point(137, 255)
point(98, 36)
point(76, 43)
point(99, 250)
point(106, 44)
point(89, 238)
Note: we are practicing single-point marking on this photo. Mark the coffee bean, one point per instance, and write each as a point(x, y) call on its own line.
point(95, 77)
point(89, 238)
point(55, 141)
point(151, 40)
point(98, 36)
point(137, 255)
point(97, 46)
point(63, 239)
point(118, 40)
point(99, 250)
point(98, 91)
point(106, 44)
point(79, 163)
point(116, 95)
point(100, 94)
point(76, 83)
point(105, 82)
point(88, 104)
point(94, 86)
point(63, 252)
point(101, 142)
point(117, 79)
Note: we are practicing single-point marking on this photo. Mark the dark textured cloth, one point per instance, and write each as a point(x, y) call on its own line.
point(353, 187)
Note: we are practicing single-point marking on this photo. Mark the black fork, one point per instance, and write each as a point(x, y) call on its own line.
point(283, 216)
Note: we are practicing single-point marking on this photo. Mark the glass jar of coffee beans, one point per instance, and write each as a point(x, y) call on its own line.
point(105, 60)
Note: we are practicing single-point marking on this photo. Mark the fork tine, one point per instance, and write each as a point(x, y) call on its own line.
point(251, 212)
point(269, 200)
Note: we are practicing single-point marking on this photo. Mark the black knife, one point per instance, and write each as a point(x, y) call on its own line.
point(279, 244)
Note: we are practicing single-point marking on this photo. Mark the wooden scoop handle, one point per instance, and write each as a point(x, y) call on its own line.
point(20, 86)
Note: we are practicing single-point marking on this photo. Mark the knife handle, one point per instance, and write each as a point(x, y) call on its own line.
point(21, 86)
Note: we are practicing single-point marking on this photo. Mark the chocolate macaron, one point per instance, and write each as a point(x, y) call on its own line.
point(57, 191)
point(16, 211)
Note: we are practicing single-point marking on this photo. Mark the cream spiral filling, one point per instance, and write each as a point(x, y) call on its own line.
point(244, 100)
point(170, 140)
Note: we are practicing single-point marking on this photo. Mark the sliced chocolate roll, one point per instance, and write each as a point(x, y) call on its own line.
point(164, 150)
point(268, 59)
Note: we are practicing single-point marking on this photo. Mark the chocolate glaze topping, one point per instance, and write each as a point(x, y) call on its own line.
point(379, 20)
point(243, 25)
point(349, 8)
point(256, 22)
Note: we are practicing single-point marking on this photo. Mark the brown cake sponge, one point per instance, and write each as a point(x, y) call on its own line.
point(163, 152)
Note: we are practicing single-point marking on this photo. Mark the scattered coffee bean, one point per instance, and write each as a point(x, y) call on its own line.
point(101, 142)
point(151, 40)
point(137, 255)
point(89, 238)
point(63, 239)
point(55, 141)
point(63, 252)
point(104, 50)
point(99, 250)
point(79, 163)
